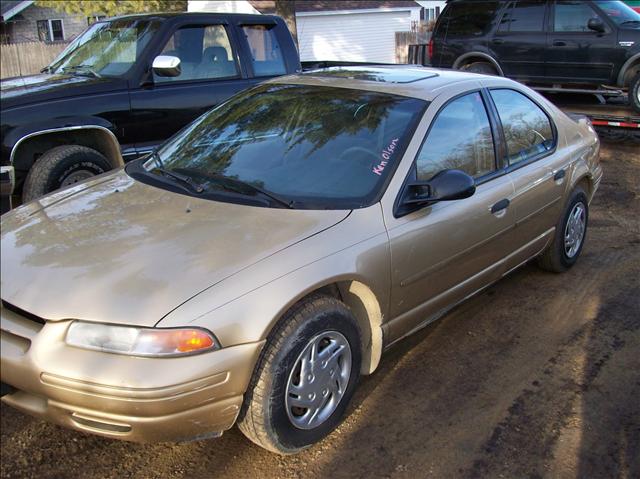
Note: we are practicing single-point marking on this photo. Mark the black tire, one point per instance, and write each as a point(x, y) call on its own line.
point(58, 164)
point(634, 93)
point(480, 67)
point(263, 417)
point(555, 258)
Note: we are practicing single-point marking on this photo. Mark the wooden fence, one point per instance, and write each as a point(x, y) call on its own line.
point(404, 39)
point(19, 59)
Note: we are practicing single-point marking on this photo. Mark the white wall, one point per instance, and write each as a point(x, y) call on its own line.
point(357, 36)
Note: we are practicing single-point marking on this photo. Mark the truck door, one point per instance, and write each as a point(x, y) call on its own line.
point(210, 73)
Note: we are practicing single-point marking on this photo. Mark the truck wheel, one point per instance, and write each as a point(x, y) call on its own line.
point(480, 67)
point(304, 378)
point(634, 93)
point(570, 234)
point(62, 166)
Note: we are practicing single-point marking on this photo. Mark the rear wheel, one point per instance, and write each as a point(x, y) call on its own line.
point(62, 166)
point(634, 93)
point(305, 377)
point(480, 67)
point(571, 231)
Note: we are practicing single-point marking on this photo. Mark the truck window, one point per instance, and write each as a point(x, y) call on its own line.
point(470, 18)
point(266, 54)
point(523, 17)
point(573, 17)
point(204, 51)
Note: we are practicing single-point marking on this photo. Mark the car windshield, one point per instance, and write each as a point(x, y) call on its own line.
point(305, 146)
point(106, 48)
point(619, 12)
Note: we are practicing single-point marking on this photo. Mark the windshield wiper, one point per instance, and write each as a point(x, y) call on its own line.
point(81, 69)
point(236, 185)
point(187, 180)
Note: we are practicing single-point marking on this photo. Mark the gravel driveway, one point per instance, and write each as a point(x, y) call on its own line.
point(539, 376)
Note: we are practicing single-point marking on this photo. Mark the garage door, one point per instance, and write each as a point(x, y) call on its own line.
point(360, 37)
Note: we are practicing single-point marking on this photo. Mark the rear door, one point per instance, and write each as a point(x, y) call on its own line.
point(210, 74)
point(538, 169)
point(445, 251)
point(576, 53)
point(520, 40)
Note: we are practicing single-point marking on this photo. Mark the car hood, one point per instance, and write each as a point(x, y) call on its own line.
point(26, 90)
point(119, 251)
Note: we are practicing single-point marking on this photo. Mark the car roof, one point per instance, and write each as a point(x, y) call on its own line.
point(407, 80)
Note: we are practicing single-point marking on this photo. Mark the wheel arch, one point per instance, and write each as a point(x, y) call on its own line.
point(470, 57)
point(29, 146)
point(628, 71)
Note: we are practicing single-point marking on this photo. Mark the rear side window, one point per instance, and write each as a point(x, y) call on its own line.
point(469, 18)
point(460, 138)
point(526, 127)
point(523, 17)
point(573, 17)
point(266, 55)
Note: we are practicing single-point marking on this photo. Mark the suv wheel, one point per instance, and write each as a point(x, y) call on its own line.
point(304, 378)
point(62, 166)
point(634, 93)
point(480, 67)
point(570, 234)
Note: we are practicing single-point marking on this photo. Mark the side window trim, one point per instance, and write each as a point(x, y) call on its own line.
point(505, 161)
point(412, 174)
point(232, 43)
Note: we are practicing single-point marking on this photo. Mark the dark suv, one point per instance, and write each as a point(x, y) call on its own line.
point(569, 44)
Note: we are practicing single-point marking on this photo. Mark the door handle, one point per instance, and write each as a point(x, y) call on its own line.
point(503, 204)
point(558, 175)
point(559, 43)
point(497, 41)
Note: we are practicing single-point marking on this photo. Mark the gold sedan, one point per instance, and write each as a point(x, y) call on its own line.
point(261, 260)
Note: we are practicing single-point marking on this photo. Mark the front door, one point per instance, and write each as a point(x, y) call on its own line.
point(575, 52)
point(210, 73)
point(442, 253)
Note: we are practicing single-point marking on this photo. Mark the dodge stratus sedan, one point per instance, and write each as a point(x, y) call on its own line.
point(262, 259)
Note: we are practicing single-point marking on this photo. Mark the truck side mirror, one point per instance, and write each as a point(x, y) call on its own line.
point(596, 25)
point(166, 66)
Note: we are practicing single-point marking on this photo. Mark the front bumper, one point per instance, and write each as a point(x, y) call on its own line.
point(123, 397)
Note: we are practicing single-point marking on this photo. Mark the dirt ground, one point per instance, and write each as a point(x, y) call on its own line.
point(539, 376)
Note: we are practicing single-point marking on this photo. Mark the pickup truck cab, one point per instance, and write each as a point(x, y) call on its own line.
point(124, 86)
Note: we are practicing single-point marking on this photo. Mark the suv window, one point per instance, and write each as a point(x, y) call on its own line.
point(469, 18)
point(572, 17)
point(460, 138)
point(526, 127)
point(204, 53)
point(523, 17)
point(266, 55)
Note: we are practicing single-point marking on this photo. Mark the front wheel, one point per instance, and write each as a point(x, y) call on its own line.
point(60, 167)
point(571, 231)
point(305, 377)
point(634, 93)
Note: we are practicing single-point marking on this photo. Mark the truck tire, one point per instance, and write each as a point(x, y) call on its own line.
point(484, 68)
point(634, 93)
point(62, 166)
point(305, 377)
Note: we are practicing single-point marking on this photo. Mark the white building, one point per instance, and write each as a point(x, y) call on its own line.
point(359, 31)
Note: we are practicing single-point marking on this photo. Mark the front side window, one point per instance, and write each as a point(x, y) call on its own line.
point(572, 17)
point(106, 48)
point(526, 127)
point(204, 53)
point(316, 147)
point(266, 55)
point(460, 138)
point(523, 17)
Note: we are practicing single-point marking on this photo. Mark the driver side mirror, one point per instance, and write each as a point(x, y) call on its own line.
point(446, 185)
point(166, 66)
point(596, 25)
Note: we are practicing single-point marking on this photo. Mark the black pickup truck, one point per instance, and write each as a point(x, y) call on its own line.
point(124, 86)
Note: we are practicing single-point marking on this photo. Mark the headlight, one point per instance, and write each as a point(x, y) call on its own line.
point(140, 341)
